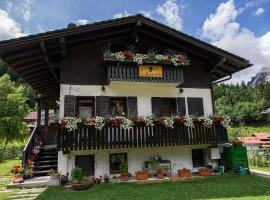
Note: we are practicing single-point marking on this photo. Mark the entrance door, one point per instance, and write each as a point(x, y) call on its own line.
point(86, 163)
point(198, 157)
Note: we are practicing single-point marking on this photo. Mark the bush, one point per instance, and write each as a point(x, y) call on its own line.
point(11, 151)
point(76, 175)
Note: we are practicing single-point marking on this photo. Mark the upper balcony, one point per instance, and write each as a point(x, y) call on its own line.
point(128, 66)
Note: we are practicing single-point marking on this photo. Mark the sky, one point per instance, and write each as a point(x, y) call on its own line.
point(239, 26)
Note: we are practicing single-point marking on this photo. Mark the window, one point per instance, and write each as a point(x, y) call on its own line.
point(86, 163)
point(53, 115)
point(118, 106)
point(85, 107)
point(42, 117)
point(115, 160)
point(198, 157)
point(168, 107)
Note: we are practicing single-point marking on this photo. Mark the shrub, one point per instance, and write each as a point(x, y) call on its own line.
point(11, 151)
point(76, 175)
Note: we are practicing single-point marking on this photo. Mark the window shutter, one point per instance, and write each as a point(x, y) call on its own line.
point(181, 106)
point(156, 106)
point(195, 106)
point(103, 106)
point(69, 106)
point(132, 108)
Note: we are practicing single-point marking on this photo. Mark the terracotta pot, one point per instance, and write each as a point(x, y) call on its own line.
point(205, 172)
point(17, 178)
point(79, 186)
point(160, 174)
point(237, 143)
point(184, 173)
point(142, 175)
point(124, 176)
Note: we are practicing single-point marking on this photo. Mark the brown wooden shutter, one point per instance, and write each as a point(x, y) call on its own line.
point(132, 108)
point(195, 106)
point(69, 106)
point(181, 106)
point(156, 106)
point(103, 106)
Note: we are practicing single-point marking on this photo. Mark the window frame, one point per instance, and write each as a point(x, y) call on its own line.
point(78, 98)
point(110, 159)
point(125, 104)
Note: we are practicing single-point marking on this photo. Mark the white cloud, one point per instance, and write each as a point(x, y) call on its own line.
point(83, 21)
point(9, 28)
point(170, 11)
point(222, 30)
point(148, 14)
point(121, 14)
point(23, 8)
point(259, 11)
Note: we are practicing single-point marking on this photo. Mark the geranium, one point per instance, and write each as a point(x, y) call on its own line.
point(126, 123)
point(140, 120)
point(71, 123)
point(189, 121)
point(226, 121)
point(138, 58)
point(16, 169)
point(150, 120)
point(127, 54)
point(180, 120)
point(119, 56)
point(97, 122)
point(217, 119)
point(162, 58)
point(206, 121)
point(166, 121)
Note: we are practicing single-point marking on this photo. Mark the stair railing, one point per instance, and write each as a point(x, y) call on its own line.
point(27, 149)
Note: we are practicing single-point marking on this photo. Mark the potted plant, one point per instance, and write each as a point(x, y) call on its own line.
point(17, 174)
point(78, 182)
point(106, 178)
point(124, 171)
point(205, 171)
point(142, 175)
point(161, 171)
point(183, 173)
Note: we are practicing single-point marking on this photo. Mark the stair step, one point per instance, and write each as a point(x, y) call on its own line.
point(48, 153)
point(47, 157)
point(40, 173)
point(46, 162)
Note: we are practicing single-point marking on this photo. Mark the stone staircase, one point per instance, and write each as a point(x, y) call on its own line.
point(46, 161)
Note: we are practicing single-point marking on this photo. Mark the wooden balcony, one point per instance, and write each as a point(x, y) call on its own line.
point(130, 72)
point(86, 138)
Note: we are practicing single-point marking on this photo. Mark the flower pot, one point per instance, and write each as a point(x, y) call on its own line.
point(160, 174)
point(17, 178)
point(124, 176)
point(237, 143)
point(184, 173)
point(205, 172)
point(142, 175)
point(79, 186)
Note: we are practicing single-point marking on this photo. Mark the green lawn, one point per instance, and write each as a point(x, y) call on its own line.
point(264, 169)
point(220, 187)
point(6, 165)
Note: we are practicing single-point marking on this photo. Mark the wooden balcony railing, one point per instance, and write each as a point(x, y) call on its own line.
point(86, 138)
point(130, 72)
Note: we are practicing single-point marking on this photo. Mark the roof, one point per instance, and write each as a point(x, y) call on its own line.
point(261, 138)
point(34, 56)
point(31, 116)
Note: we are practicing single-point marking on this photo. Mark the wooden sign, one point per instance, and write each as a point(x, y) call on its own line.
point(150, 70)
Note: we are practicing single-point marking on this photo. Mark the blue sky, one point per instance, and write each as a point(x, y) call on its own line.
point(240, 26)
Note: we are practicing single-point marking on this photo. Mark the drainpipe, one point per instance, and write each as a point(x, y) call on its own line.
point(211, 90)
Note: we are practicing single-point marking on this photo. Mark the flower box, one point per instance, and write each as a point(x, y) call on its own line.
point(205, 172)
point(124, 176)
point(80, 186)
point(184, 173)
point(143, 175)
point(160, 174)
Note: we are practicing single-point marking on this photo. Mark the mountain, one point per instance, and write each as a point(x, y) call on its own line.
point(260, 78)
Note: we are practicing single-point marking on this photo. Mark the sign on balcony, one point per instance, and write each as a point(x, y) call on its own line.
point(150, 70)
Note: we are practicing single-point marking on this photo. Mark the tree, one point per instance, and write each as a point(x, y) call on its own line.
point(13, 108)
point(266, 91)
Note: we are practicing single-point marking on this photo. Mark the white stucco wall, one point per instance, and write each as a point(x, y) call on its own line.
point(143, 92)
point(179, 156)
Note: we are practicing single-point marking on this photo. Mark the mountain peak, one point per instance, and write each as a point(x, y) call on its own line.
point(259, 78)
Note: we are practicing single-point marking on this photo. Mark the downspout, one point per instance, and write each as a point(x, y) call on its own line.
point(211, 90)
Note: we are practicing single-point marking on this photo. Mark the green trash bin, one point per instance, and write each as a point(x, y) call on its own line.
point(235, 157)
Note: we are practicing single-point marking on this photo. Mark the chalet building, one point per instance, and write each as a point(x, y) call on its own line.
point(132, 66)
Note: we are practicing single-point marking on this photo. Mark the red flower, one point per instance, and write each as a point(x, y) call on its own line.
point(181, 59)
point(127, 54)
point(217, 119)
point(180, 120)
point(63, 124)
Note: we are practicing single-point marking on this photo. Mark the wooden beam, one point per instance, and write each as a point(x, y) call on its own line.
point(44, 50)
point(22, 54)
point(33, 69)
point(26, 61)
point(23, 67)
point(63, 46)
point(36, 82)
point(30, 75)
point(134, 34)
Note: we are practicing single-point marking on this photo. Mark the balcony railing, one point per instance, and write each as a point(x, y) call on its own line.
point(87, 137)
point(130, 72)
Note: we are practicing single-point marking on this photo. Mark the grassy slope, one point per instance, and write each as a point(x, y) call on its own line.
point(6, 165)
point(221, 187)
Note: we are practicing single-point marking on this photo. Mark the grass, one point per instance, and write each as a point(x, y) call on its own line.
point(6, 165)
point(264, 169)
point(219, 187)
